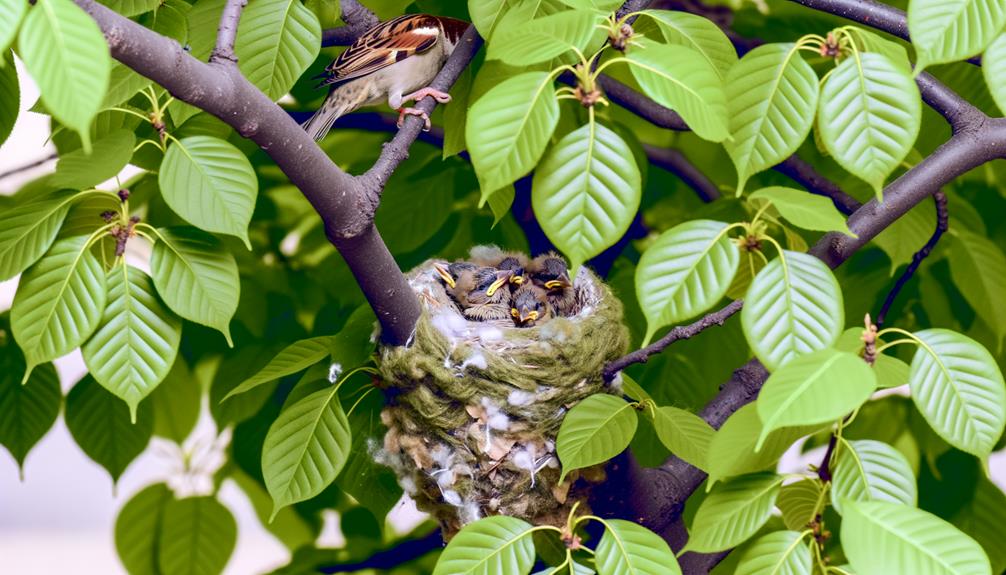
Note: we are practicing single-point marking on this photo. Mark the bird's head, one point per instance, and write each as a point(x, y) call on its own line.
point(452, 272)
point(511, 263)
point(529, 306)
point(553, 274)
point(487, 284)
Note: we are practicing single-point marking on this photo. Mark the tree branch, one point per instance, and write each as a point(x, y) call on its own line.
point(29, 166)
point(227, 32)
point(676, 163)
point(677, 333)
point(343, 202)
point(804, 174)
point(358, 20)
point(388, 559)
point(942, 223)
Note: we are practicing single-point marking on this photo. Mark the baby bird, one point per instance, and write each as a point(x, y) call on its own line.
point(478, 290)
point(530, 306)
point(549, 272)
point(518, 264)
point(395, 60)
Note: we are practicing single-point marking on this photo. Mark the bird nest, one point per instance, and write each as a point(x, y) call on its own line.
point(474, 407)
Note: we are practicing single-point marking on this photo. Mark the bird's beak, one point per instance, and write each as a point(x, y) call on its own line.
point(528, 315)
point(501, 280)
point(517, 279)
point(561, 283)
point(445, 274)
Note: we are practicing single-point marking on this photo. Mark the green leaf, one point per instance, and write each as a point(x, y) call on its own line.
point(586, 192)
point(10, 93)
point(456, 116)
point(869, 41)
point(732, 450)
point(804, 209)
point(327, 11)
point(907, 234)
point(680, 78)
point(108, 156)
point(306, 448)
point(170, 19)
point(695, 32)
point(629, 548)
point(297, 356)
point(880, 538)
point(138, 527)
point(978, 268)
point(959, 389)
point(67, 56)
point(135, 346)
point(509, 127)
point(949, 30)
point(867, 470)
point(99, 423)
point(372, 484)
point(289, 526)
point(994, 69)
point(176, 402)
point(123, 84)
point(799, 502)
point(407, 223)
point(28, 230)
point(59, 302)
point(685, 434)
point(685, 272)
point(131, 7)
point(543, 39)
point(815, 388)
point(277, 41)
point(779, 553)
point(486, 15)
point(869, 116)
point(982, 518)
point(595, 430)
point(29, 410)
point(11, 14)
point(733, 511)
point(500, 202)
point(771, 100)
point(211, 184)
point(197, 537)
point(605, 5)
point(490, 546)
point(793, 307)
point(197, 277)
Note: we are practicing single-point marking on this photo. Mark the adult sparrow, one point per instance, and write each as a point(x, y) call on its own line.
point(395, 60)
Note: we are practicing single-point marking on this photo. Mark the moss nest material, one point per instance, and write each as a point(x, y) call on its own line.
point(474, 407)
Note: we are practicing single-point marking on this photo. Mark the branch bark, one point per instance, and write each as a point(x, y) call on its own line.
point(675, 162)
point(227, 32)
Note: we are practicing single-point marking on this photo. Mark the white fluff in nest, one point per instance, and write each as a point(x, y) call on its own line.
point(475, 360)
point(520, 398)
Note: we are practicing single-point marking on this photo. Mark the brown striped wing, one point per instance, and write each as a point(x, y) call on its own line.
point(383, 45)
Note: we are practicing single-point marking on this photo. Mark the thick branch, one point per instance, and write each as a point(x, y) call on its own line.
point(676, 163)
point(676, 334)
point(227, 32)
point(341, 200)
point(942, 223)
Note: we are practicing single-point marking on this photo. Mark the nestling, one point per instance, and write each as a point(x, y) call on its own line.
point(549, 272)
point(530, 306)
point(478, 290)
point(395, 60)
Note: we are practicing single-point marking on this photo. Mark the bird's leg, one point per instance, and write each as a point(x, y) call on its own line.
point(441, 97)
point(402, 112)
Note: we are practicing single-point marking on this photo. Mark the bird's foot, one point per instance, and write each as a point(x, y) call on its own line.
point(402, 112)
point(441, 97)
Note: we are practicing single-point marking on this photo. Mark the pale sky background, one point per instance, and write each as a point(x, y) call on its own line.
point(61, 518)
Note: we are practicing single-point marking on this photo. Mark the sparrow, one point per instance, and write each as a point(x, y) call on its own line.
point(395, 60)
point(518, 264)
point(478, 290)
point(530, 306)
point(549, 273)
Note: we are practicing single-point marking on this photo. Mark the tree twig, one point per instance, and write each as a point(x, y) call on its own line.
point(942, 223)
point(804, 174)
point(227, 32)
point(31, 166)
point(675, 162)
point(824, 470)
point(675, 334)
point(358, 20)
point(388, 559)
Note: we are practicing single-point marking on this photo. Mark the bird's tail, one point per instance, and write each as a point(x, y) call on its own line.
point(321, 122)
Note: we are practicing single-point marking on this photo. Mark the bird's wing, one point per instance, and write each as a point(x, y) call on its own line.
point(383, 45)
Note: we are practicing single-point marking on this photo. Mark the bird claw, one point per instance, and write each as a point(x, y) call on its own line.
point(440, 97)
point(414, 112)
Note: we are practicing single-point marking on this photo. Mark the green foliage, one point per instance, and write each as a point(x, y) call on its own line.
point(684, 434)
point(493, 545)
point(803, 210)
point(100, 424)
point(692, 31)
point(946, 31)
point(277, 41)
point(628, 548)
point(733, 511)
point(12, 12)
point(868, 470)
point(197, 536)
point(29, 409)
point(778, 552)
point(595, 430)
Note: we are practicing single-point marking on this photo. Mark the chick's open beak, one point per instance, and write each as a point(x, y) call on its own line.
point(527, 315)
point(501, 280)
point(445, 274)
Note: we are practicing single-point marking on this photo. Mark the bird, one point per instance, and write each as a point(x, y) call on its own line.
point(530, 306)
point(549, 272)
point(518, 264)
point(395, 60)
point(478, 290)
